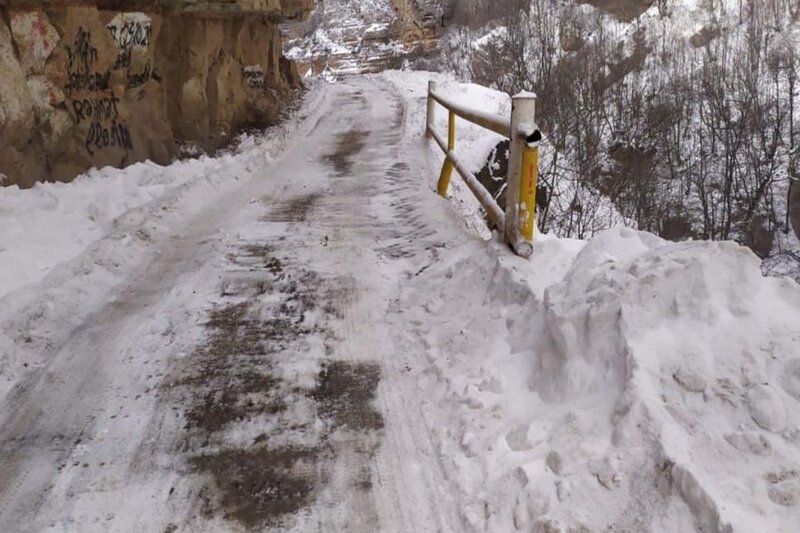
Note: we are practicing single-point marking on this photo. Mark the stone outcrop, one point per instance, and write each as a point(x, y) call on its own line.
point(350, 37)
point(111, 82)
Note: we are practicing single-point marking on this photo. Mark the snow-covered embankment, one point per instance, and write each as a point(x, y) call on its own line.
point(626, 382)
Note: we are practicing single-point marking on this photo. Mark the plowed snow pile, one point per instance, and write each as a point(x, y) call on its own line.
point(699, 357)
point(655, 387)
point(626, 383)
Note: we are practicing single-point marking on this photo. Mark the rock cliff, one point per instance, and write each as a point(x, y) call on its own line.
point(110, 82)
point(344, 37)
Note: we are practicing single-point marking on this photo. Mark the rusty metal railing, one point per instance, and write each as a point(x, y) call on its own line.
point(517, 222)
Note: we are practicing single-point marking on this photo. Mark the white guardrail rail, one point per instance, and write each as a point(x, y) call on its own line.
point(516, 223)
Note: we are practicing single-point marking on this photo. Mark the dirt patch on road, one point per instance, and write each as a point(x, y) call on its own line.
point(348, 146)
point(231, 381)
point(258, 486)
point(345, 392)
point(236, 341)
point(295, 210)
point(252, 432)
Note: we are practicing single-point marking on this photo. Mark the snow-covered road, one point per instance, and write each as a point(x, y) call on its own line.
point(300, 335)
point(242, 374)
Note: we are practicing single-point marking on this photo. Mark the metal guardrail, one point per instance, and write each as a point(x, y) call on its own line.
point(495, 123)
point(516, 223)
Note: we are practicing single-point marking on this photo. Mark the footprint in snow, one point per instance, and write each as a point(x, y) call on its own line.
point(790, 380)
point(749, 442)
point(784, 488)
point(767, 408)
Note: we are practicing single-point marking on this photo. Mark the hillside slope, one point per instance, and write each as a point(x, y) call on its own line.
point(684, 114)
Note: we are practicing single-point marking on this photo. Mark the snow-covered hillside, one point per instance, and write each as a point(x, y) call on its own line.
point(344, 37)
point(686, 117)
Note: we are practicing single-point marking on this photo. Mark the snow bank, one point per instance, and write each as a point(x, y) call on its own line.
point(51, 223)
point(702, 357)
point(626, 383)
point(64, 248)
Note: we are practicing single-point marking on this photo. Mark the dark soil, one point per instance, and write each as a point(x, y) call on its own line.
point(295, 210)
point(257, 486)
point(345, 392)
point(348, 146)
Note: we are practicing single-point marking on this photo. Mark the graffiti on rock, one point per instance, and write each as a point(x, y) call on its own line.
point(132, 32)
point(254, 77)
point(92, 101)
point(114, 134)
point(95, 108)
point(139, 79)
point(90, 81)
point(81, 57)
point(105, 128)
point(82, 54)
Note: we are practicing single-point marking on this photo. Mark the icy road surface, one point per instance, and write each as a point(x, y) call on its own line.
point(243, 375)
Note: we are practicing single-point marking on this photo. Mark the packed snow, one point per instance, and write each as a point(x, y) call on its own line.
point(53, 222)
point(636, 385)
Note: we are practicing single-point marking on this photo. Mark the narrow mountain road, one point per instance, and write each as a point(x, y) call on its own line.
point(249, 377)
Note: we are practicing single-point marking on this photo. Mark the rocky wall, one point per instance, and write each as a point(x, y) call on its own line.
point(478, 13)
point(89, 84)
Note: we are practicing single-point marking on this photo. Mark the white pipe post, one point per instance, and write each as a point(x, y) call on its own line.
point(431, 108)
point(523, 113)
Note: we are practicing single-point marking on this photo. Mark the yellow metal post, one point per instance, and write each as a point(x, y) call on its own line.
point(527, 191)
point(447, 168)
point(523, 111)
